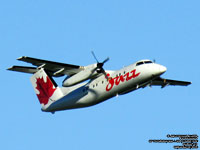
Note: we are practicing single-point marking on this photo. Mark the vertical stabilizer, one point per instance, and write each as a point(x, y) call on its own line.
point(45, 88)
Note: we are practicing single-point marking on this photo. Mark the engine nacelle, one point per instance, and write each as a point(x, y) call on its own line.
point(83, 75)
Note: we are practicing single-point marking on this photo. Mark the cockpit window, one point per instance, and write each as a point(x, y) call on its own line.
point(144, 62)
point(140, 63)
point(148, 62)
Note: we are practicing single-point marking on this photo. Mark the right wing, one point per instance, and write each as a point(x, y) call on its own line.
point(165, 82)
point(54, 68)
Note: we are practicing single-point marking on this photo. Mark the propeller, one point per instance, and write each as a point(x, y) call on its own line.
point(99, 67)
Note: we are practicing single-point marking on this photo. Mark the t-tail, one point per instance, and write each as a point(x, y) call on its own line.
point(45, 88)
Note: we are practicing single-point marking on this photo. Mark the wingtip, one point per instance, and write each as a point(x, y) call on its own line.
point(20, 58)
point(10, 68)
point(189, 83)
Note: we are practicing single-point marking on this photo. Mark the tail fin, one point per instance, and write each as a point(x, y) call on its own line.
point(45, 88)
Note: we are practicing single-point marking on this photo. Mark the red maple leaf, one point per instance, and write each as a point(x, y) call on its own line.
point(45, 88)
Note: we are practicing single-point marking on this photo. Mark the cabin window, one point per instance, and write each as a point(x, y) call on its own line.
point(102, 82)
point(124, 72)
point(140, 63)
point(119, 74)
point(93, 86)
point(97, 84)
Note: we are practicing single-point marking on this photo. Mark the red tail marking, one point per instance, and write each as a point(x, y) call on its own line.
point(46, 90)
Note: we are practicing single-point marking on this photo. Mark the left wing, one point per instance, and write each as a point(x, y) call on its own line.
point(54, 68)
point(165, 82)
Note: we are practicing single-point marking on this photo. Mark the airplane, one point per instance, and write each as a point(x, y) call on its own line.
point(89, 85)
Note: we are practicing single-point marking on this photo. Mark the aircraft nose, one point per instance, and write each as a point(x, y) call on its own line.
point(162, 69)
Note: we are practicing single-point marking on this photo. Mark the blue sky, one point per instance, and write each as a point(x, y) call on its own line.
point(126, 31)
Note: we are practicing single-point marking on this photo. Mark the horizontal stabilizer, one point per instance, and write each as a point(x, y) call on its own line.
point(23, 69)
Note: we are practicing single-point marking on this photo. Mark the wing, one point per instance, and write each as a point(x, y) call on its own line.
point(164, 82)
point(54, 68)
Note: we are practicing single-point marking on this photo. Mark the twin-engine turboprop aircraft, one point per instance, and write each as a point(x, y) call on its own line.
point(101, 84)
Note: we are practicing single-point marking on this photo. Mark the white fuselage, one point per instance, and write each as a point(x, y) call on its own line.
point(100, 89)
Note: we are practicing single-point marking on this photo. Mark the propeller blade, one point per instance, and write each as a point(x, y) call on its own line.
point(107, 59)
point(105, 74)
point(95, 57)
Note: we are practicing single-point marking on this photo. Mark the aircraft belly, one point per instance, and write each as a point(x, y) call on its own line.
point(69, 101)
point(93, 97)
point(79, 99)
point(88, 96)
